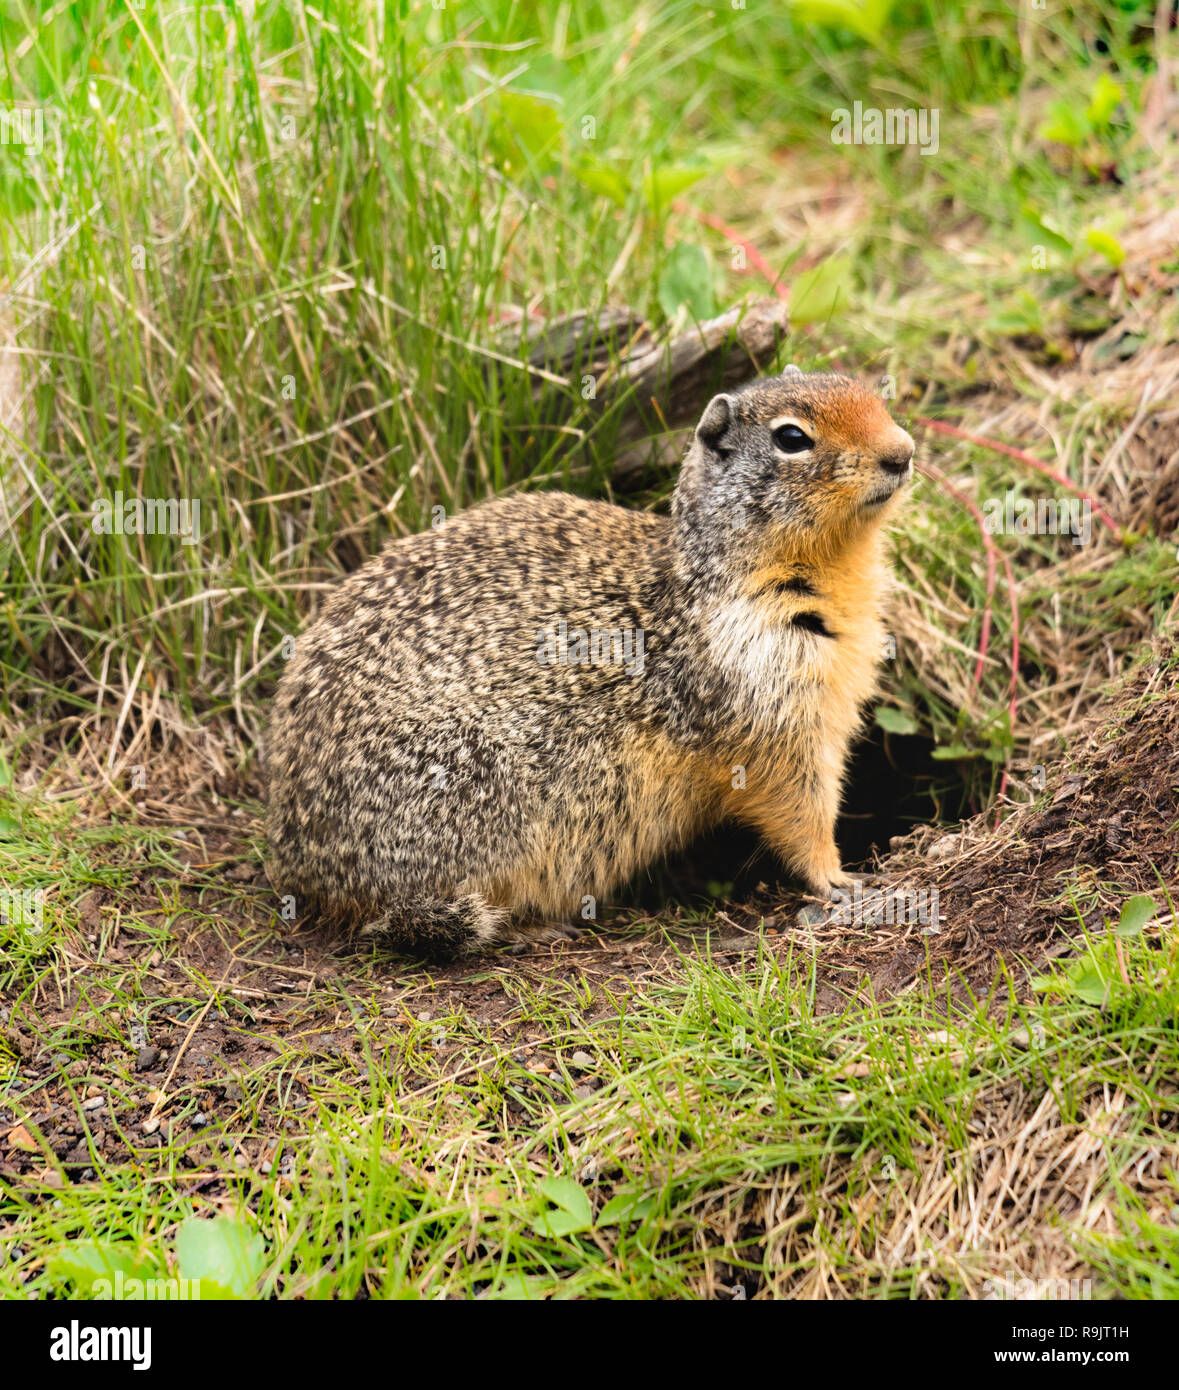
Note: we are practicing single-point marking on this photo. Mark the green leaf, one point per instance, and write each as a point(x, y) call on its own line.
point(84, 1262)
point(517, 1287)
point(625, 1207)
point(1135, 914)
point(818, 293)
point(1119, 348)
point(525, 131)
point(1105, 245)
point(687, 280)
point(1065, 125)
point(664, 184)
point(568, 1194)
point(950, 751)
point(560, 1223)
point(1087, 982)
point(602, 178)
point(895, 721)
point(1044, 229)
point(1104, 102)
point(864, 17)
point(225, 1255)
point(574, 1211)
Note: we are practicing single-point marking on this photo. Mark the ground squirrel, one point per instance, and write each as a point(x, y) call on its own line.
point(499, 721)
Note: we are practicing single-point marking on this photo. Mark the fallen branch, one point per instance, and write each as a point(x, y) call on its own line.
point(659, 384)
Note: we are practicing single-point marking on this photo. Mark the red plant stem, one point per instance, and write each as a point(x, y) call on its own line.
point(730, 234)
point(1023, 457)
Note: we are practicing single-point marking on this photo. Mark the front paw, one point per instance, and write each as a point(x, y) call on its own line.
point(831, 885)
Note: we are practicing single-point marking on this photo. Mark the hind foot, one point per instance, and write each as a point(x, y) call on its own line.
point(544, 933)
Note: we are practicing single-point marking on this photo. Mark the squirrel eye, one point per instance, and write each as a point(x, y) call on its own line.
point(791, 440)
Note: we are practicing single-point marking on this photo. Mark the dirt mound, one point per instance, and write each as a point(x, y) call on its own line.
point(1103, 829)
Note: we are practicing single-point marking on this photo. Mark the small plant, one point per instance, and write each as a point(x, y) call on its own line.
point(219, 1259)
point(1099, 976)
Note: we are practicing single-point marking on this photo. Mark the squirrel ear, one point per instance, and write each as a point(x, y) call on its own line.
point(715, 421)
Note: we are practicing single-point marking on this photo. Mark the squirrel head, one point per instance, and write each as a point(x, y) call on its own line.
point(805, 461)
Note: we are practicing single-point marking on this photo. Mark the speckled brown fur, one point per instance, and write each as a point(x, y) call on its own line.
point(431, 780)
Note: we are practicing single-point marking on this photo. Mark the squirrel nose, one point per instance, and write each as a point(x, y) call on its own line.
point(896, 459)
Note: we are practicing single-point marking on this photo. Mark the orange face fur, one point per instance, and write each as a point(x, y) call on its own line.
point(819, 458)
point(857, 456)
point(855, 421)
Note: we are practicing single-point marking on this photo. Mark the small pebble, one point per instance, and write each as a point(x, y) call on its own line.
point(94, 1103)
point(146, 1058)
point(811, 915)
point(199, 1120)
point(944, 847)
point(150, 1126)
point(582, 1060)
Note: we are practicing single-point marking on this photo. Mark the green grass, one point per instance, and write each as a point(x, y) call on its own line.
point(272, 254)
point(721, 1132)
point(265, 262)
point(735, 1137)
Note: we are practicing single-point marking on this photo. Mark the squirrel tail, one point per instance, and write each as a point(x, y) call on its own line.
point(439, 928)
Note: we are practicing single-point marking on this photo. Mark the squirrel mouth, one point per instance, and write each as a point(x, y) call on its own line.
point(880, 498)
